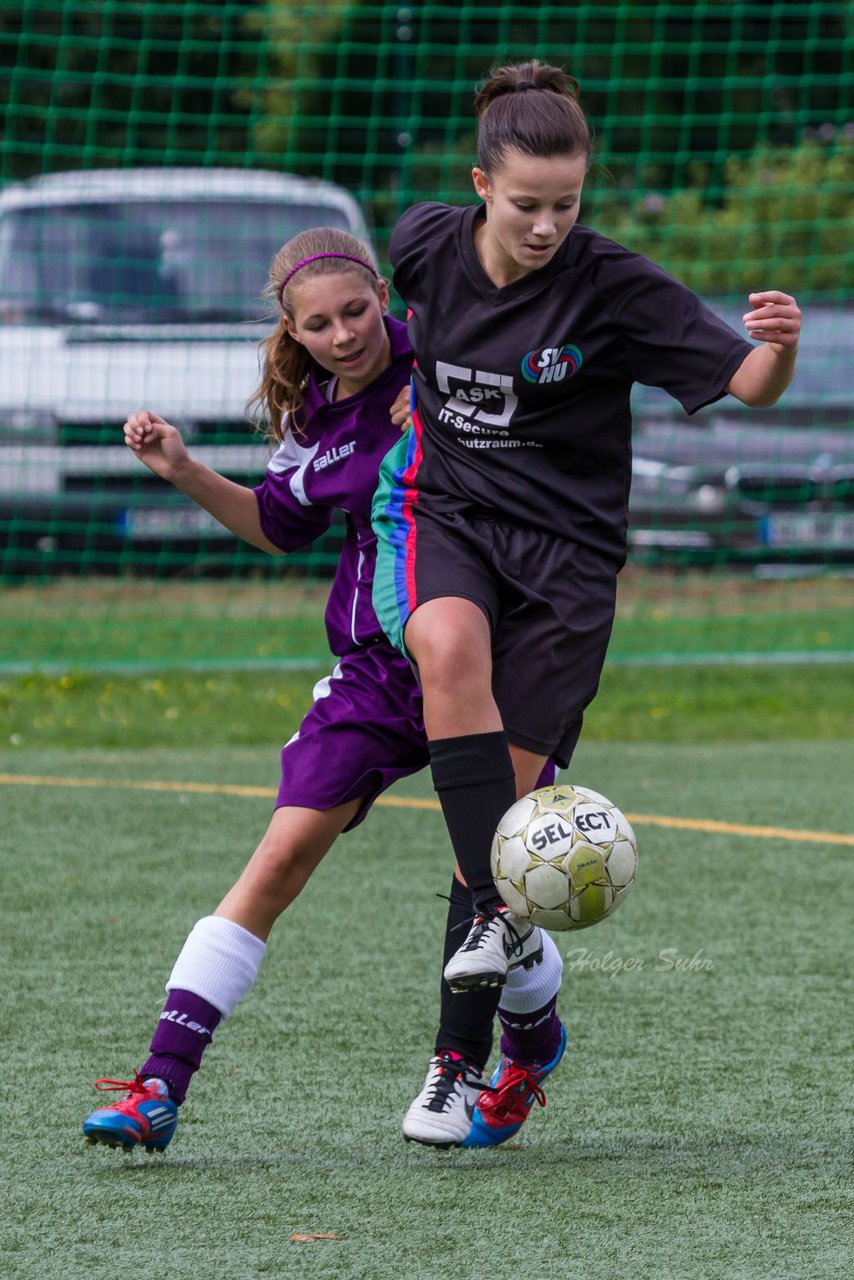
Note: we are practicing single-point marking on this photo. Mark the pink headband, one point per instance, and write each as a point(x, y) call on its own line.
point(315, 257)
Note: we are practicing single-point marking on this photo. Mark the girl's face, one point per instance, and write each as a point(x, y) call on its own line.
point(532, 204)
point(338, 318)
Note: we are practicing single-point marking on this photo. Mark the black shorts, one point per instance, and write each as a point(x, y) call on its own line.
point(550, 604)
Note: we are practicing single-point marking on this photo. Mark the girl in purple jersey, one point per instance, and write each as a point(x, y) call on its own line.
point(333, 368)
point(502, 515)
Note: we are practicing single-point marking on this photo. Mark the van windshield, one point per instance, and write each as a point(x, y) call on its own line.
point(145, 262)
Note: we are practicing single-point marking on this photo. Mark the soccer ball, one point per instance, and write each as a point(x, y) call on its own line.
point(564, 857)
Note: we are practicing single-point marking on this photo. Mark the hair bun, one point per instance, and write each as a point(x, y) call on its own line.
point(522, 77)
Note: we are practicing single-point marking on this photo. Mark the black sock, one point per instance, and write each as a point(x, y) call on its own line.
point(473, 777)
point(465, 1020)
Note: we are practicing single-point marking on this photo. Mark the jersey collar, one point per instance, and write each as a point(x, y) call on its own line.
point(526, 286)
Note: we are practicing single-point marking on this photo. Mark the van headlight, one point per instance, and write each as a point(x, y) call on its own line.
point(28, 426)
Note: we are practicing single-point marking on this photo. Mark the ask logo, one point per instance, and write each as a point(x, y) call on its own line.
point(480, 397)
point(551, 364)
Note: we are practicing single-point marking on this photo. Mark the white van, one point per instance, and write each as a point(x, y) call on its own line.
point(129, 288)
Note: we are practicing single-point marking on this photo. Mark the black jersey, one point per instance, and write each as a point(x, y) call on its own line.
point(523, 391)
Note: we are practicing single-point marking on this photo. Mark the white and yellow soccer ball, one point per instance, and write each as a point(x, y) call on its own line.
point(564, 857)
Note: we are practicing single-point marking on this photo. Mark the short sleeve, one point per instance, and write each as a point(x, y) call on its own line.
point(416, 234)
point(672, 339)
point(288, 518)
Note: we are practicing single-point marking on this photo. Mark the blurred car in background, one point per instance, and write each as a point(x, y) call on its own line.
point(760, 487)
point(122, 289)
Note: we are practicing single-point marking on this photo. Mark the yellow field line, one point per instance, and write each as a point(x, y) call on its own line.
point(411, 802)
point(133, 784)
point(740, 829)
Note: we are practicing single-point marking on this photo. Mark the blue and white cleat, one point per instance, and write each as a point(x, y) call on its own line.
point(504, 1106)
point(147, 1117)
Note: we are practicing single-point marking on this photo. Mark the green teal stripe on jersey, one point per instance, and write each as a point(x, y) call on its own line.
point(393, 528)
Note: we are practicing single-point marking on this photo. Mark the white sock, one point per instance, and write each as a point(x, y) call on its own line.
point(219, 962)
point(528, 989)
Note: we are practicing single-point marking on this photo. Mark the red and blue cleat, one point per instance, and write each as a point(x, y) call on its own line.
point(147, 1117)
point(504, 1106)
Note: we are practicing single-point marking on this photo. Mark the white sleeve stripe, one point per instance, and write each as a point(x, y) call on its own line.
point(291, 456)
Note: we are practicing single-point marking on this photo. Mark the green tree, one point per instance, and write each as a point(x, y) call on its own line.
point(784, 220)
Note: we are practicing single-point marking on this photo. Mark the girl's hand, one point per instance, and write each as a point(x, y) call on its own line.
point(775, 318)
point(156, 443)
point(400, 412)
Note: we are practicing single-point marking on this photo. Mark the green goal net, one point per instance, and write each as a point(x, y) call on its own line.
point(153, 157)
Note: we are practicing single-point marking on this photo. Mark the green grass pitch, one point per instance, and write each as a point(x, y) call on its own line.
point(696, 1129)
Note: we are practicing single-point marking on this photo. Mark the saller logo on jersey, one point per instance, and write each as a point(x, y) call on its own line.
point(551, 364)
point(334, 455)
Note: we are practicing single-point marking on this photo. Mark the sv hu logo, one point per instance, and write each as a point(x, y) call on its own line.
point(551, 364)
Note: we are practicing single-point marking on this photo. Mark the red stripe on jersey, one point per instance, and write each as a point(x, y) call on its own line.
point(410, 497)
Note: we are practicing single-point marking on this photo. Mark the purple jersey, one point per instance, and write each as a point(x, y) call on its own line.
point(332, 465)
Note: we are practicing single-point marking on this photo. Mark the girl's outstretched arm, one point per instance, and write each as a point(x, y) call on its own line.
point(775, 323)
point(159, 445)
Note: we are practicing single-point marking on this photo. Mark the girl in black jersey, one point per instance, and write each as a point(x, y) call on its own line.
point(502, 515)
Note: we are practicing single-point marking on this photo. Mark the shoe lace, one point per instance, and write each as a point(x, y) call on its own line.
point(137, 1085)
point(517, 1080)
point(449, 1071)
point(484, 921)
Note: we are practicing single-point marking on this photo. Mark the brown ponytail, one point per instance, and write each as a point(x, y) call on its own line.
point(285, 362)
point(532, 107)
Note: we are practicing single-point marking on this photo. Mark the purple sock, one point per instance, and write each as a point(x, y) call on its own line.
point(531, 1037)
point(185, 1030)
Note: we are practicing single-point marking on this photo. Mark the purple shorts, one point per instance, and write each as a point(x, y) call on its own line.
point(363, 731)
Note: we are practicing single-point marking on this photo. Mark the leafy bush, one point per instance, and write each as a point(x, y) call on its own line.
point(782, 220)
